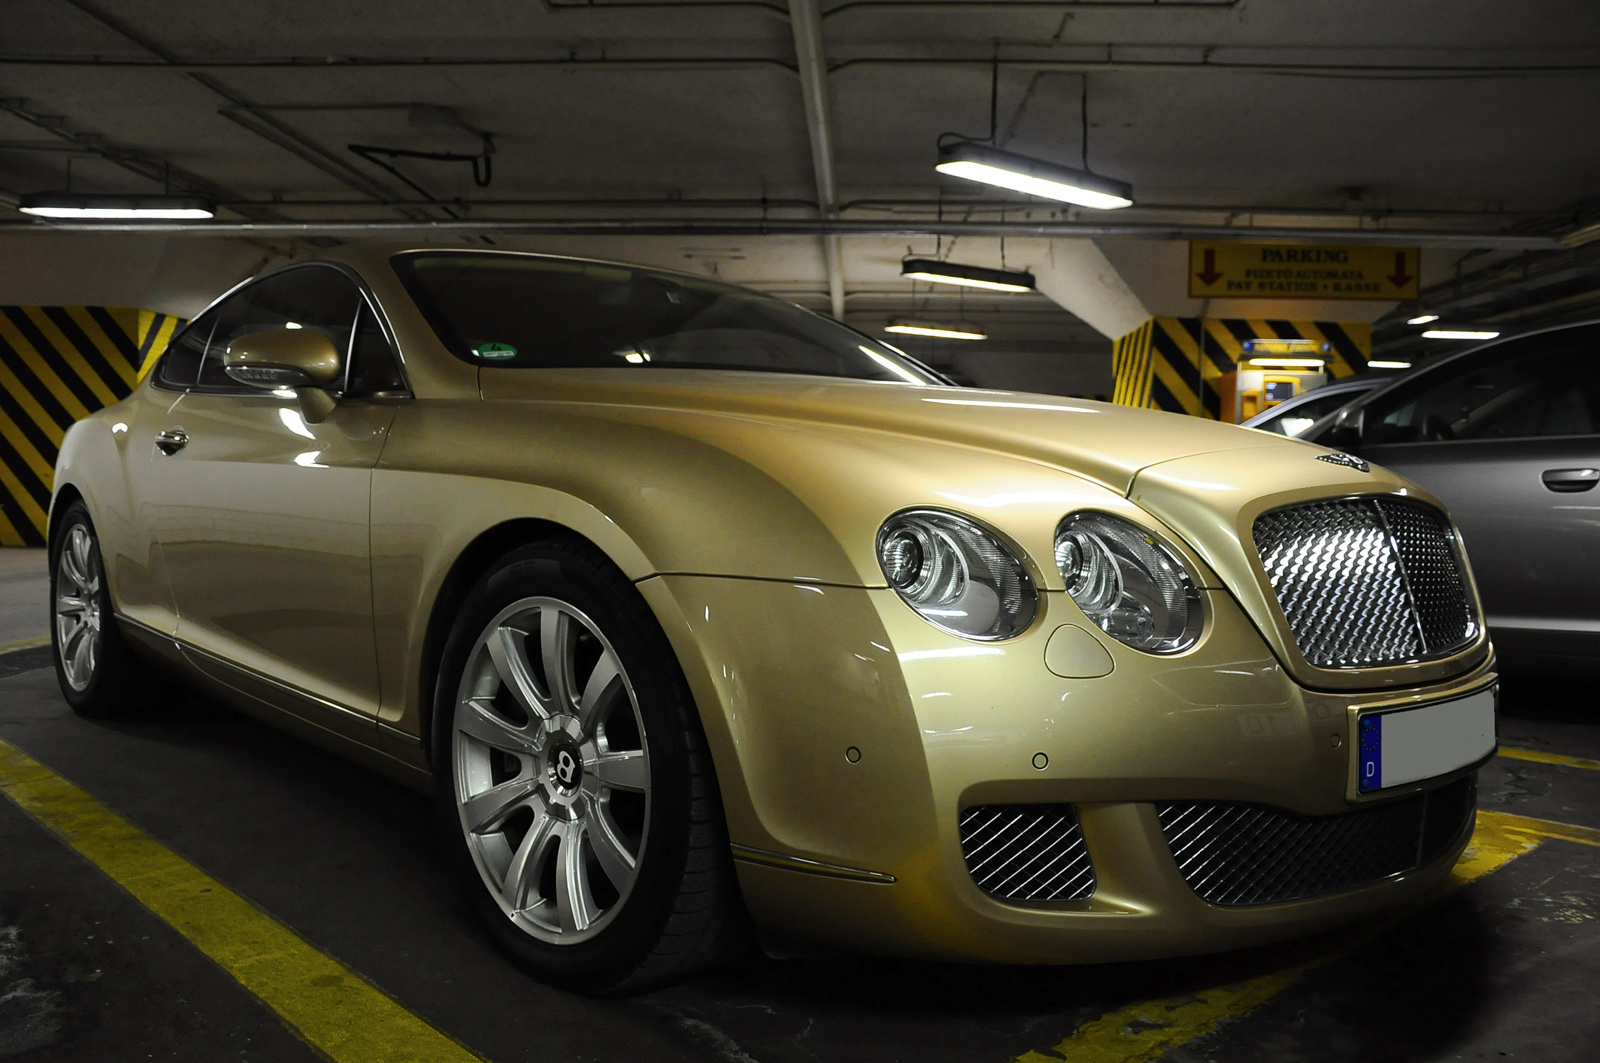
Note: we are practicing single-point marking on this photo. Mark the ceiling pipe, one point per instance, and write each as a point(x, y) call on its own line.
point(1374, 71)
point(806, 20)
point(795, 227)
point(346, 62)
point(965, 207)
point(308, 64)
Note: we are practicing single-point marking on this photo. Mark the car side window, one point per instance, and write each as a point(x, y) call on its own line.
point(313, 297)
point(179, 367)
point(1542, 385)
point(373, 367)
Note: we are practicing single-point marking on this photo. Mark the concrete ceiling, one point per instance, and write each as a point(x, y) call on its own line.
point(1447, 122)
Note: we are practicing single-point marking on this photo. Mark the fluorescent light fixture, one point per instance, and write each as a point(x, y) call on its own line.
point(109, 207)
point(1458, 334)
point(937, 331)
point(293, 324)
point(1422, 319)
point(1048, 180)
point(1286, 346)
point(1388, 365)
point(1288, 363)
point(994, 280)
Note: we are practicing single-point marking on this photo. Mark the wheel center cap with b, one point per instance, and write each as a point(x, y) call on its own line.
point(566, 767)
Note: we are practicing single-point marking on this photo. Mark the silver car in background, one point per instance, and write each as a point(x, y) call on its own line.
point(1507, 434)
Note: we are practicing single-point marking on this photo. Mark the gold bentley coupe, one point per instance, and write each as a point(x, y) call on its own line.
point(696, 611)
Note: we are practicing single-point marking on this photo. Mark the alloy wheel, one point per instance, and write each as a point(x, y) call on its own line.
point(551, 769)
point(77, 607)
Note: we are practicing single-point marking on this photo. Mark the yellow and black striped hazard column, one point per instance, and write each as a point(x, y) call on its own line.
point(1130, 365)
point(58, 364)
point(1172, 363)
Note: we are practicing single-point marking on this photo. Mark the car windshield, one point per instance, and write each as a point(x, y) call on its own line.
point(1297, 418)
point(524, 311)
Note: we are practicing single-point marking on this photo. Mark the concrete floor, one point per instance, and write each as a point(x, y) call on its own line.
point(24, 595)
point(1506, 967)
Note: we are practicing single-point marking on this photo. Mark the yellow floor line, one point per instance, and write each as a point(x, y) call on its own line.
point(1550, 758)
point(338, 1012)
point(1538, 828)
point(1145, 1031)
point(24, 644)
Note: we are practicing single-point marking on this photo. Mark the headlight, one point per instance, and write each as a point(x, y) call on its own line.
point(956, 574)
point(1128, 583)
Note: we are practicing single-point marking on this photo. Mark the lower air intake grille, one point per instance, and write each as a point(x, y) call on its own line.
point(1366, 581)
point(1250, 854)
point(1027, 852)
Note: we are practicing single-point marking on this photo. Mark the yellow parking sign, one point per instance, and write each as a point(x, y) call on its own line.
point(1227, 270)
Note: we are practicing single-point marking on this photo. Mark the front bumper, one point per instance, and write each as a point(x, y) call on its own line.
point(851, 735)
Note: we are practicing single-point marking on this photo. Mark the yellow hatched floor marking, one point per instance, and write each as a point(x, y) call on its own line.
point(1541, 757)
point(1144, 1032)
point(334, 1009)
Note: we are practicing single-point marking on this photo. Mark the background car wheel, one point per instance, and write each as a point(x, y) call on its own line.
point(574, 786)
point(98, 673)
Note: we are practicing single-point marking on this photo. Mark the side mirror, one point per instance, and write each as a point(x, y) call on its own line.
point(302, 359)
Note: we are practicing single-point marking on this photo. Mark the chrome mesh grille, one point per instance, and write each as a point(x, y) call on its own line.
point(1366, 581)
point(1233, 854)
point(1027, 852)
point(1427, 551)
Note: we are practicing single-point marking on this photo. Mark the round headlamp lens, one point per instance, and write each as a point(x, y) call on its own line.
point(1089, 569)
point(956, 574)
point(1128, 582)
point(902, 559)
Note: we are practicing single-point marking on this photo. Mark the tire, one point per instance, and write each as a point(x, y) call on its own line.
point(582, 816)
point(99, 675)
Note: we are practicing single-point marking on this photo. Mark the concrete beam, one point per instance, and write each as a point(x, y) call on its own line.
point(1075, 275)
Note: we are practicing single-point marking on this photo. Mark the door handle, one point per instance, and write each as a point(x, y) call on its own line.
point(1570, 479)
point(170, 441)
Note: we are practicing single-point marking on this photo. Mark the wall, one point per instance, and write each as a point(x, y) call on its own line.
point(169, 274)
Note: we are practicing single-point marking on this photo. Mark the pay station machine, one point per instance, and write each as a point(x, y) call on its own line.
point(1272, 371)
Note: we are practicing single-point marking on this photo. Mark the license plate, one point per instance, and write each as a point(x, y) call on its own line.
point(1408, 745)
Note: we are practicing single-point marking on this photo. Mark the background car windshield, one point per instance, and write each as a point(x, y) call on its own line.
point(1298, 418)
point(523, 311)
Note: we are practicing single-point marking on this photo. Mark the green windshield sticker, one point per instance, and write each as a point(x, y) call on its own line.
point(495, 351)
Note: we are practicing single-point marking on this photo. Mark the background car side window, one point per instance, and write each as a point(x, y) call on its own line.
point(1544, 385)
point(373, 367)
point(311, 297)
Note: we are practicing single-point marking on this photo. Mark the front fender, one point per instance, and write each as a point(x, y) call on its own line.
point(104, 460)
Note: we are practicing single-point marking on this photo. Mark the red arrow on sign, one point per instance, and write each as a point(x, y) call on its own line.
point(1399, 278)
point(1210, 273)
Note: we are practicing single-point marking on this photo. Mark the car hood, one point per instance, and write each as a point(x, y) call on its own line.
point(786, 477)
point(1098, 441)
